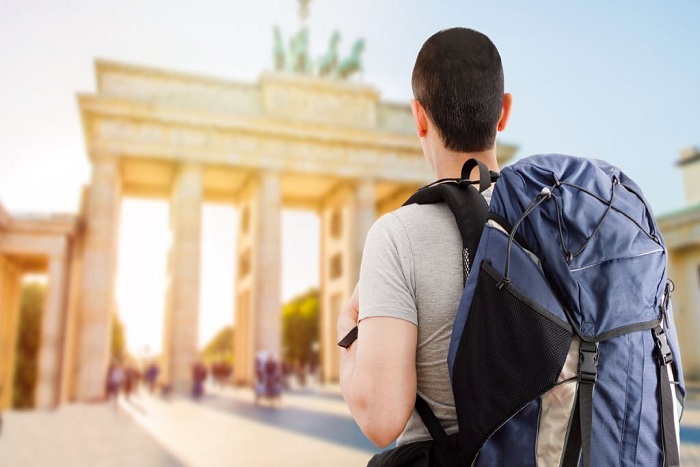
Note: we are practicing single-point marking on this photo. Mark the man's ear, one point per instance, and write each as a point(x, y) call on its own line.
point(420, 118)
point(505, 111)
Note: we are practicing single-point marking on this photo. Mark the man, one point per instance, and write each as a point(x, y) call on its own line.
point(411, 274)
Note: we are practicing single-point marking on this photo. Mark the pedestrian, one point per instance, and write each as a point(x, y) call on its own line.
point(130, 380)
point(152, 376)
point(411, 272)
point(199, 376)
point(115, 379)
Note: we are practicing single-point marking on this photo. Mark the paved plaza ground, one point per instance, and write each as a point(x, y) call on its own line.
point(308, 427)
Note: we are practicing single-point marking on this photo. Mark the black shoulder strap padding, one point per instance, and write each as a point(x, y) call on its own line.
point(468, 206)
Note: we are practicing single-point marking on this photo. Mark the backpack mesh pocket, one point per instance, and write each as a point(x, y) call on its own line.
point(511, 351)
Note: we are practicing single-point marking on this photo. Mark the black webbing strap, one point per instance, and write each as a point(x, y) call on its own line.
point(579, 439)
point(665, 358)
point(349, 338)
point(431, 421)
point(587, 375)
point(484, 174)
point(572, 452)
point(444, 452)
point(586, 414)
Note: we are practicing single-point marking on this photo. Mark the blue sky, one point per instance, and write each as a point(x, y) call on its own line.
point(618, 81)
point(613, 80)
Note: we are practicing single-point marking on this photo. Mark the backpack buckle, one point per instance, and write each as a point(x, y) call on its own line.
point(662, 348)
point(588, 362)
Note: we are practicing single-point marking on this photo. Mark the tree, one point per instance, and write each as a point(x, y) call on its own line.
point(28, 340)
point(300, 327)
point(118, 345)
point(220, 347)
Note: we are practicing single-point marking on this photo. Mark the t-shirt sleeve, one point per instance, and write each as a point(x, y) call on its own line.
point(387, 285)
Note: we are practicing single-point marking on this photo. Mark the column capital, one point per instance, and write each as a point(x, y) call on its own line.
point(103, 158)
point(189, 166)
point(269, 172)
point(59, 257)
point(359, 182)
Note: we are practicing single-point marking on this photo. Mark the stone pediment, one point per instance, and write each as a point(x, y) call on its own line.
point(319, 100)
point(275, 95)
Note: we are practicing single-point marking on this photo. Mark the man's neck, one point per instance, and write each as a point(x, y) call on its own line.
point(448, 164)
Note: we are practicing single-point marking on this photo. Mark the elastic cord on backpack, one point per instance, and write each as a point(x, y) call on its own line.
point(651, 234)
point(567, 252)
point(545, 194)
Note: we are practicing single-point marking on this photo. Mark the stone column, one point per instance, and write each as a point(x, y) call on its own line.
point(182, 301)
point(683, 270)
point(258, 288)
point(69, 365)
point(365, 215)
point(396, 200)
point(98, 276)
point(51, 342)
point(10, 291)
point(346, 216)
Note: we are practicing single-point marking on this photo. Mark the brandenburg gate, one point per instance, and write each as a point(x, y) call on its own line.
point(286, 141)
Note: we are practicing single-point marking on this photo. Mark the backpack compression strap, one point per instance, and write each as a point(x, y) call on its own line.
point(664, 359)
point(578, 445)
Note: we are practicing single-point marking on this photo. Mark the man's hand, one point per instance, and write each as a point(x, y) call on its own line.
point(349, 316)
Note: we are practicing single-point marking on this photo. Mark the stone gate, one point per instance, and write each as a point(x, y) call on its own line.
point(285, 141)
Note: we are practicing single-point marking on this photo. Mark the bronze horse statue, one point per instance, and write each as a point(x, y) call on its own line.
point(351, 64)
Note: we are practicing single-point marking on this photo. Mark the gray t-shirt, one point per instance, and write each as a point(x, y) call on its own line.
point(412, 270)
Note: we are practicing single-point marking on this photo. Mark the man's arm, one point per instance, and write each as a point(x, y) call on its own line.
point(378, 372)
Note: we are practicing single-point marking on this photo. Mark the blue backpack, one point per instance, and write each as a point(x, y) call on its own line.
point(563, 348)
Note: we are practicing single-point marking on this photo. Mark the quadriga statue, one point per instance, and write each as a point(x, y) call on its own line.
point(353, 63)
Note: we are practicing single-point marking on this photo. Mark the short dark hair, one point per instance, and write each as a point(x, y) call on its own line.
point(458, 79)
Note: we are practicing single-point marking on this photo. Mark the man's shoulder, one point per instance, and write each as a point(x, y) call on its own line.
point(422, 215)
point(408, 222)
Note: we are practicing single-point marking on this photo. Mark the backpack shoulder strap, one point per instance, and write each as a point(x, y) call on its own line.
point(468, 206)
point(470, 211)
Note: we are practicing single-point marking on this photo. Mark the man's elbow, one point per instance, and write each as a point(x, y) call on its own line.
point(382, 427)
point(381, 436)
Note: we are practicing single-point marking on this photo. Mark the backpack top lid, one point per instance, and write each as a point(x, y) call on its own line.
point(595, 235)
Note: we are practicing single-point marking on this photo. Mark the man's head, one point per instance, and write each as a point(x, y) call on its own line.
point(458, 84)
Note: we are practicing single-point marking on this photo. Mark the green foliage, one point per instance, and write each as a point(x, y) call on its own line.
point(118, 346)
point(220, 347)
point(300, 326)
point(28, 339)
